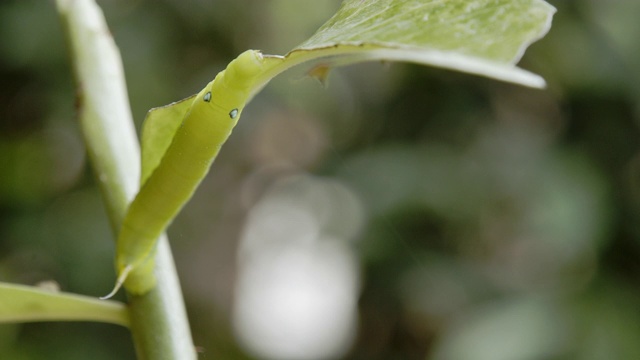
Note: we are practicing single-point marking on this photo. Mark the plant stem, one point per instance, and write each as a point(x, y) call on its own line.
point(159, 323)
point(158, 319)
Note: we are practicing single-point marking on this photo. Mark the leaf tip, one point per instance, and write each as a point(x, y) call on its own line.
point(121, 278)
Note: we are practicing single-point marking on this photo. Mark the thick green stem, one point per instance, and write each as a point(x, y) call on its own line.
point(158, 319)
point(165, 336)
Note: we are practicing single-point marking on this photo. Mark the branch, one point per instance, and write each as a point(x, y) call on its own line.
point(158, 319)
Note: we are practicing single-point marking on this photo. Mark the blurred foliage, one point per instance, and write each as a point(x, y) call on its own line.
point(501, 222)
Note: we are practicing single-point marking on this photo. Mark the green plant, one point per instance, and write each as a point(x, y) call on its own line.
point(460, 35)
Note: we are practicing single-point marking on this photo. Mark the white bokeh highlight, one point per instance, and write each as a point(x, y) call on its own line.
point(298, 277)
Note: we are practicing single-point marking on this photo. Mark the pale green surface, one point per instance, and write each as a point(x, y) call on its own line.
point(159, 322)
point(20, 303)
point(158, 129)
point(103, 105)
point(494, 30)
point(483, 37)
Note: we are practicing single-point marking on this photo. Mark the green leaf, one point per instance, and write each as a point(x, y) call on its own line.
point(19, 303)
point(158, 130)
point(496, 30)
point(484, 37)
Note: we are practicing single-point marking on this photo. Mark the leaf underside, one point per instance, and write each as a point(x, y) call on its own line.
point(493, 30)
point(20, 303)
point(158, 130)
point(483, 37)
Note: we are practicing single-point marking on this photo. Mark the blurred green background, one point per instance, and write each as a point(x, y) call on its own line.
point(403, 212)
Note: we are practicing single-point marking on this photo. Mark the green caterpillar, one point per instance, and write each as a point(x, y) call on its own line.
point(171, 173)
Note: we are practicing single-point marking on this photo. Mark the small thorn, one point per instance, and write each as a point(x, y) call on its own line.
point(320, 72)
point(121, 278)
